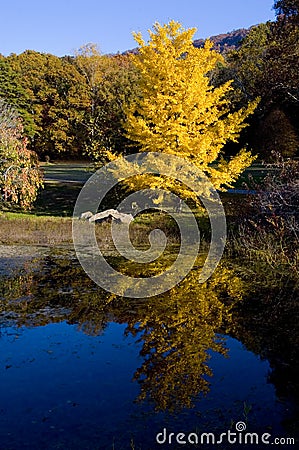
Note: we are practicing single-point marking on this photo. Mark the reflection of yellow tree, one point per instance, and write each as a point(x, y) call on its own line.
point(178, 331)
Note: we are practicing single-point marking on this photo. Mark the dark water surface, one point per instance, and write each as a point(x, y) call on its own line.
point(80, 369)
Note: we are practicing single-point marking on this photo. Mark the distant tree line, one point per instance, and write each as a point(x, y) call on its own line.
point(71, 105)
point(75, 105)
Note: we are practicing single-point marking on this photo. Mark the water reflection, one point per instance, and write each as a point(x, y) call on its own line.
point(177, 331)
point(268, 324)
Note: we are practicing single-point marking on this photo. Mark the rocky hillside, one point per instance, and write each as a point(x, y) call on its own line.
point(227, 41)
point(222, 42)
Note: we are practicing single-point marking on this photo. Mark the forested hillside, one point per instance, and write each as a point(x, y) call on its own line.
point(226, 41)
point(76, 105)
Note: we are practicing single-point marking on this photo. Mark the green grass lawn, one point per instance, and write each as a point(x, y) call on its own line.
point(253, 175)
point(77, 172)
point(49, 221)
point(64, 182)
point(80, 172)
point(57, 199)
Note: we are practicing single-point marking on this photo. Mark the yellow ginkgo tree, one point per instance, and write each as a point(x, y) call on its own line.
point(179, 111)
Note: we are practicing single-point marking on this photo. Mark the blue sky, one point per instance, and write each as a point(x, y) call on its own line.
point(61, 26)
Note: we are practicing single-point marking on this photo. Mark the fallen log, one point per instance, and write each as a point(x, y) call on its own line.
point(86, 215)
point(108, 214)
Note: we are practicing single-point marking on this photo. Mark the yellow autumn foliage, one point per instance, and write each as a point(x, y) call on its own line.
point(179, 112)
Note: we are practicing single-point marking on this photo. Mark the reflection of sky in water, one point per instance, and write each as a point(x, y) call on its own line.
point(61, 388)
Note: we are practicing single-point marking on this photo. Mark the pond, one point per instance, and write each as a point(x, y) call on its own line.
point(83, 369)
